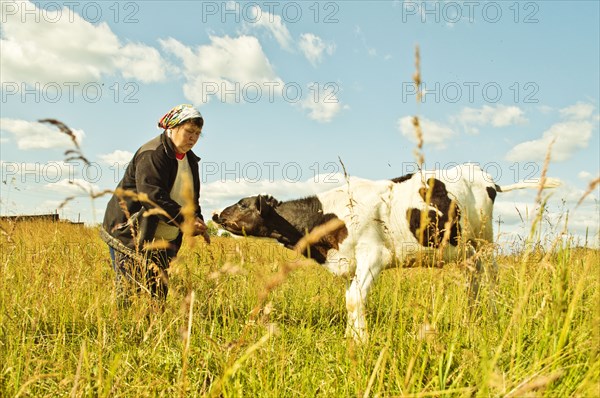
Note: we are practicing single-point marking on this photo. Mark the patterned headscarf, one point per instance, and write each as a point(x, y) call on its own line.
point(177, 115)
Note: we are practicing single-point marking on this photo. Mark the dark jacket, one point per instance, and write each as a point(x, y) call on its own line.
point(152, 171)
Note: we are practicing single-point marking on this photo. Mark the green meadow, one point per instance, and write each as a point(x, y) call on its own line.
point(248, 318)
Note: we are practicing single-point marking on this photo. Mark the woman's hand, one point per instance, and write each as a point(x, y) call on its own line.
point(200, 228)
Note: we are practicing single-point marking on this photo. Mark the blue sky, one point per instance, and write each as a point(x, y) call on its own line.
point(287, 88)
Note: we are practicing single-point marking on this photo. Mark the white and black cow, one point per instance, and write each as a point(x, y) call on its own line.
point(386, 223)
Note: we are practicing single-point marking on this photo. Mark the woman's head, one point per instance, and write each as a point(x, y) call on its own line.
point(186, 134)
point(184, 125)
point(178, 115)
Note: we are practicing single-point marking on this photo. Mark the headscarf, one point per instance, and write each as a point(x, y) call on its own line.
point(178, 115)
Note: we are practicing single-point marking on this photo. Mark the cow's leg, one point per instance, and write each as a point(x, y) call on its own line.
point(368, 267)
point(355, 304)
point(492, 275)
point(491, 270)
point(485, 267)
point(475, 274)
point(476, 280)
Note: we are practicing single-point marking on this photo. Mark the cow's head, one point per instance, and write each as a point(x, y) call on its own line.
point(247, 216)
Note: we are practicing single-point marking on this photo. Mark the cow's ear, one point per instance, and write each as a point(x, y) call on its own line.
point(272, 201)
point(265, 204)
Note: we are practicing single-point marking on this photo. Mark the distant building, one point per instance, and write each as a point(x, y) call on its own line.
point(37, 217)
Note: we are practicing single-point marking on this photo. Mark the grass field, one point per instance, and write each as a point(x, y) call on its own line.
point(62, 335)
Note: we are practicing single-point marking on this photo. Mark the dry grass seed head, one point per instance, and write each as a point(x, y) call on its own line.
point(72, 154)
point(593, 184)
point(543, 176)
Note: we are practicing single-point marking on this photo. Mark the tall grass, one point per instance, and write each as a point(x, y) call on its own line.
point(61, 333)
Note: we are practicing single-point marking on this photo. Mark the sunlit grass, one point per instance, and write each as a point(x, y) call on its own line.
point(62, 335)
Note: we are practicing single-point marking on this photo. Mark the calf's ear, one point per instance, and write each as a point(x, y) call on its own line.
point(265, 204)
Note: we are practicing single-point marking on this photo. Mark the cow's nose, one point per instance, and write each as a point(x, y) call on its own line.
point(216, 218)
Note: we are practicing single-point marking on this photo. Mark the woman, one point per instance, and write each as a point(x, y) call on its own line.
point(144, 232)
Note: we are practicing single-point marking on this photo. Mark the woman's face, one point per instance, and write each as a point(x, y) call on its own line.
point(185, 136)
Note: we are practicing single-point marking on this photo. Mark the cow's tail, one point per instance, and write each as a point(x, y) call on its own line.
point(548, 183)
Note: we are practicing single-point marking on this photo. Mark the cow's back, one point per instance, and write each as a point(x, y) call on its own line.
point(470, 190)
point(474, 192)
point(378, 213)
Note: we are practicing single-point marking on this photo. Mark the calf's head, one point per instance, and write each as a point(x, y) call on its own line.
point(247, 216)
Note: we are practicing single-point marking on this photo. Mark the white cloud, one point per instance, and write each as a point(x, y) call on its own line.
point(34, 135)
point(75, 187)
point(584, 175)
point(313, 48)
point(141, 62)
point(325, 106)
point(219, 194)
point(579, 111)
point(257, 17)
point(63, 47)
point(571, 135)
point(226, 68)
point(77, 191)
point(545, 109)
point(572, 195)
point(117, 157)
point(517, 211)
point(513, 213)
point(434, 133)
point(497, 116)
point(235, 69)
